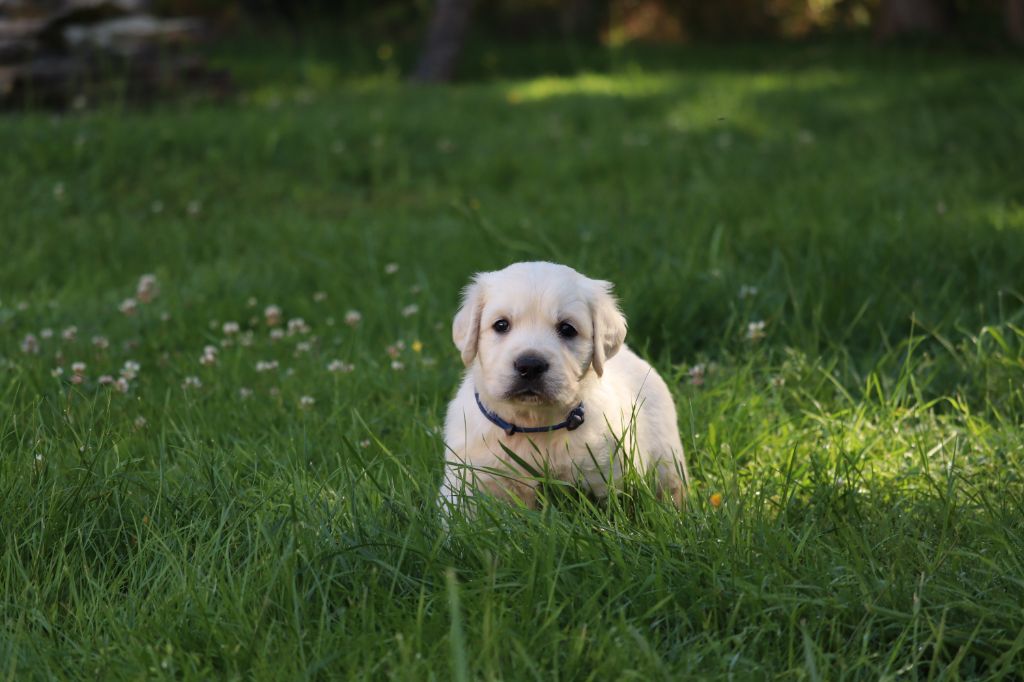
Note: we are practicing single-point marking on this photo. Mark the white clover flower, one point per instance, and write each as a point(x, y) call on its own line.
point(319, 296)
point(56, 371)
point(397, 365)
point(390, 268)
point(245, 339)
point(353, 318)
point(122, 385)
point(747, 291)
point(276, 334)
point(78, 367)
point(105, 380)
point(100, 342)
point(194, 208)
point(410, 310)
point(266, 365)
point(147, 288)
point(230, 328)
point(140, 423)
point(191, 382)
point(251, 302)
point(339, 367)
point(755, 330)
point(272, 315)
point(297, 325)
point(69, 333)
point(30, 344)
point(306, 402)
point(244, 393)
point(130, 370)
point(46, 333)
point(303, 347)
point(77, 379)
point(128, 306)
point(697, 373)
point(365, 443)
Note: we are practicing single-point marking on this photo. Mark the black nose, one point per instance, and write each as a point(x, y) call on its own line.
point(530, 366)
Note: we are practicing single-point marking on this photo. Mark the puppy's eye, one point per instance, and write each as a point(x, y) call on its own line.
point(501, 326)
point(566, 330)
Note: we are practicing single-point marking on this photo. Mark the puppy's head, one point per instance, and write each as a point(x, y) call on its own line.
point(532, 332)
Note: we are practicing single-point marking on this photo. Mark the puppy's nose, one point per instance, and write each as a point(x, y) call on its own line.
point(530, 366)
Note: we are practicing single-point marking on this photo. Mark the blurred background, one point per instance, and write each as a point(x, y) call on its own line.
point(52, 51)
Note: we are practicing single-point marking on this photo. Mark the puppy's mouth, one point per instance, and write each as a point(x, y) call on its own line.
point(533, 395)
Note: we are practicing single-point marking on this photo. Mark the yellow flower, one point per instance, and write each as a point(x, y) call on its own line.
point(417, 346)
point(715, 500)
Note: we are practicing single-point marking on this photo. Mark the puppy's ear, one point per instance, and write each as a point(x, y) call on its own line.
point(609, 324)
point(466, 325)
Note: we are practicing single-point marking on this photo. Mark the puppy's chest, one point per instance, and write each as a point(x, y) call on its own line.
point(561, 452)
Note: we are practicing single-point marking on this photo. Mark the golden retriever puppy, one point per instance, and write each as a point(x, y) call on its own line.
point(550, 380)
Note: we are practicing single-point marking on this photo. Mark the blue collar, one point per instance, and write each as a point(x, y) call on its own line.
point(571, 423)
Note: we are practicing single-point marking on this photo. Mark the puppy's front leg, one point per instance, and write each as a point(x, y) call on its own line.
point(672, 481)
point(462, 483)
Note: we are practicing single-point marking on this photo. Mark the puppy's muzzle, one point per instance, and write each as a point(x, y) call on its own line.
point(529, 384)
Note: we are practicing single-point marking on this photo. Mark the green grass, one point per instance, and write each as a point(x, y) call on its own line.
point(869, 450)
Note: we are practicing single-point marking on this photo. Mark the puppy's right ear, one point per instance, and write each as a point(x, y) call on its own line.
point(466, 325)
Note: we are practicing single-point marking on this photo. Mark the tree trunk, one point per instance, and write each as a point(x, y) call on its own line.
point(901, 17)
point(1015, 20)
point(447, 32)
point(579, 19)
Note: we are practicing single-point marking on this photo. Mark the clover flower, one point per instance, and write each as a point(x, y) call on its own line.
point(147, 288)
point(130, 370)
point(30, 344)
point(339, 367)
point(128, 306)
point(272, 315)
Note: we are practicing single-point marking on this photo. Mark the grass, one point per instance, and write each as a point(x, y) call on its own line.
point(869, 450)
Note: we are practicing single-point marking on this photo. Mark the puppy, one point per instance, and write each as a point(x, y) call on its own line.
point(549, 379)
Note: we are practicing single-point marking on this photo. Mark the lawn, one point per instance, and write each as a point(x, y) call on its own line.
point(265, 508)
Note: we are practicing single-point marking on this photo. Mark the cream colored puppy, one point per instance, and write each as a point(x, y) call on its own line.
point(549, 378)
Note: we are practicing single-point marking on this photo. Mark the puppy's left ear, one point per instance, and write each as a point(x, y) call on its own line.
point(609, 324)
point(466, 325)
